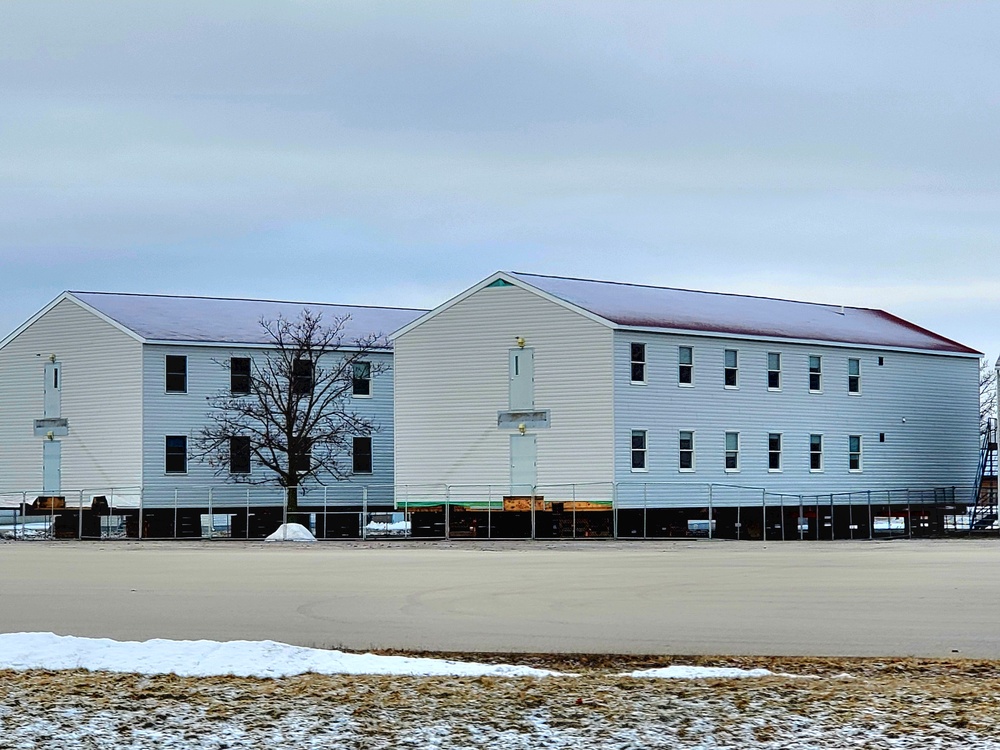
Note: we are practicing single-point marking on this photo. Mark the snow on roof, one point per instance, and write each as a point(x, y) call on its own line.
point(156, 317)
point(639, 306)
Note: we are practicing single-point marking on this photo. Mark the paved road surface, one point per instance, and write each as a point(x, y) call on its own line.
point(928, 598)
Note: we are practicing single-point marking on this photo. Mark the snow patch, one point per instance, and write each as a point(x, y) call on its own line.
point(21, 651)
point(292, 532)
point(681, 672)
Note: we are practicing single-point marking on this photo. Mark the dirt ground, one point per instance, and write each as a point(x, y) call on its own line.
point(930, 598)
point(831, 703)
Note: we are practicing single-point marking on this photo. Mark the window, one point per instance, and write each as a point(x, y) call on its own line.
point(239, 455)
point(730, 368)
point(302, 460)
point(881, 361)
point(815, 373)
point(854, 452)
point(302, 376)
point(685, 368)
point(854, 376)
point(362, 455)
point(176, 380)
point(685, 457)
point(239, 375)
point(774, 451)
point(774, 371)
point(732, 451)
point(815, 453)
point(361, 378)
point(638, 450)
point(175, 456)
point(638, 363)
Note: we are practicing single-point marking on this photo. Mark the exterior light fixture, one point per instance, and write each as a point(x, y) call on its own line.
point(520, 341)
point(521, 428)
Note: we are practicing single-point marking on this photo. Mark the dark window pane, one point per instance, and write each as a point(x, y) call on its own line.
point(684, 375)
point(362, 379)
point(239, 455)
point(638, 352)
point(814, 382)
point(730, 378)
point(239, 375)
point(362, 455)
point(176, 374)
point(731, 461)
point(302, 376)
point(638, 372)
point(175, 459)
point(773, 379)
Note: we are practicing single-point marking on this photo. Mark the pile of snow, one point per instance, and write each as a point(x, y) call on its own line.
point(682, 672)
point(214, 658)
point(292, 532)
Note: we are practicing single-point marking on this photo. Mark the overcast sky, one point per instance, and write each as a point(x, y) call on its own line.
point(396, 153)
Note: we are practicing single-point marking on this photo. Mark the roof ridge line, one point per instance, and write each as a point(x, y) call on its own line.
point(245, 299)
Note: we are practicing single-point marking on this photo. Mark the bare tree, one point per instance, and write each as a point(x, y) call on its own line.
point(987, 393)
point(289, 409)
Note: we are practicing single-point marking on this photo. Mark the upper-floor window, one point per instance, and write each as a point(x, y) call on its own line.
point(176, 374)
point(239, 454)
point(638, 450)
point(731, 368)
point(362, 455)
point(854, 376)
point(815, 453)
point(302, 376)
point(815, 373)
point(774, 451)
point(732, 451)
point(638, 361)
point(361, 379)
point(175, 454)
point(685, 367)
point(685, 455)
point(854, 452)
point(774, 371)
point(239, 375)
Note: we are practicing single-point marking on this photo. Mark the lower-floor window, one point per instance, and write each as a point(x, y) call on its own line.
point(815, 453)
point(175, 455)
point(239, 454)
point(854, 452)
point(362, 455)
point(732, 451)
point(685, 456)
point(774, 451)
point(638, 450)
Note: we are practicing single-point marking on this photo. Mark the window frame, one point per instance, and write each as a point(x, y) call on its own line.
point(642, 451)
point(854, 381)
point(681, 450)
point(775, 371)
point(771, 452)
point(232, 453)
point(167, 454)
point(370, 454)
point(858, 454)
point(233, 375)
point(634, 362)
point(168, 373)
point(727, 451)
point(818, 373)
point(298, 384)
point(681, 365)
point(733, 369)
point(366, 379)
point(819, 453)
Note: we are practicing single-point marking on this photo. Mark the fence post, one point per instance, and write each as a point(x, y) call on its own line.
point(211, 515)
point(871, 523)
point(80, 519)
point(614, 508)
point(645, 503)
point(763, 511)
point(284, 513)
point(710, 511)
point(175, 512)
point(447, 511)
point(909, 517)
point(364, 512)
point(141, 489)
point(489, 511)
point(326, 514)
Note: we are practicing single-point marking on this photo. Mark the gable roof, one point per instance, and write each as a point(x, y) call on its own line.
point(663, 308)
point(653, 308)
point(215, 320)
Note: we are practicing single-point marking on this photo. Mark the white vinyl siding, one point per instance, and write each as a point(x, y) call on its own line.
point(99, 393)
point(452, 379)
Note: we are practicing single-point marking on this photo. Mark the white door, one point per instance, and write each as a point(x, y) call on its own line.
point(53, 387)
point(51, 467)
point(522, 379)
point(523, 464)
